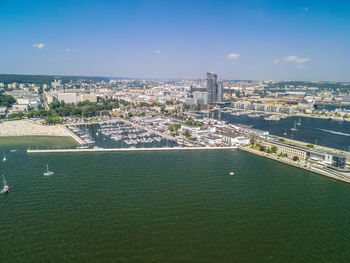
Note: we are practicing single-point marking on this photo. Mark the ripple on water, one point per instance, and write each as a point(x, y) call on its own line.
point(170, 206)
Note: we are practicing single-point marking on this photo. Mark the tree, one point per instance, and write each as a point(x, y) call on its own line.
point(310, 145)
point(187, 134)
point(177, 126)
point(6, 100)
point(274, 149)
point(296, 159)
point(52, 120)
point(252, 141)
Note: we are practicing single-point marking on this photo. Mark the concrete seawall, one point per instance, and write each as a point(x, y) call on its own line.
point(72, 134)
point(129, 149)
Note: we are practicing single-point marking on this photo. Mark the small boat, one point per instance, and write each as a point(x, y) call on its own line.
point(47, 173)
point(299, 122)
point(83, 147)
point(6, 188)
point(14, 150)
point(4, 158)
point(285, 133)
point(232, 173)
point(336, 119)
point(294, 128)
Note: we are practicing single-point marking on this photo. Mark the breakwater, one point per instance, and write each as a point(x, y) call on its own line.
point(127, 149)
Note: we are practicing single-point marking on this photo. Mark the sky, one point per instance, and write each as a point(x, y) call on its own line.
point(178, 39)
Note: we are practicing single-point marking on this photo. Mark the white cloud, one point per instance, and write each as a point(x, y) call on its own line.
point(68, 49)
point(296, 59)
point(157, 52)
point(276, 61)
point(233, 56)
point(40, 45)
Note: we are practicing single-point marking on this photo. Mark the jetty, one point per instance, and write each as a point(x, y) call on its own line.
point(127, 149)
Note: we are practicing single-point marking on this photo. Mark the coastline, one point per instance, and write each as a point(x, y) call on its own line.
point(308, 167)
point(29, 128)
point(284, 115)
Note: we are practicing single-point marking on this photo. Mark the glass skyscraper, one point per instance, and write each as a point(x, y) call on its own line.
point(214, 89)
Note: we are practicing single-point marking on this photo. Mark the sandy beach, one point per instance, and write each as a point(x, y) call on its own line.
point(31, 128)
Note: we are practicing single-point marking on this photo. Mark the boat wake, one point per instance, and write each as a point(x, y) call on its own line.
point(334, 132)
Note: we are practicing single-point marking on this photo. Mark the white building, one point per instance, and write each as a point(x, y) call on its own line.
point(197, 132)
point(68, 97)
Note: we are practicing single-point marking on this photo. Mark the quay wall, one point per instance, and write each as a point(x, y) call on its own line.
point(72, 134)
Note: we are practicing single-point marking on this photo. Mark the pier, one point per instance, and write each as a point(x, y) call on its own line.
point(72, 134)
point(127, 149)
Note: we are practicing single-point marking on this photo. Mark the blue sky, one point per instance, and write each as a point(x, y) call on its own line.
point(287, 40)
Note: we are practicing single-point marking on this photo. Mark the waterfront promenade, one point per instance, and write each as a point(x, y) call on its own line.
point(307, 166)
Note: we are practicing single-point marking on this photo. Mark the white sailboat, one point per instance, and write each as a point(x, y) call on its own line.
point(47, 171)
point(294, 128)
point(299, 122)
point(4, 158)
point(6, 188)
point(285, 133)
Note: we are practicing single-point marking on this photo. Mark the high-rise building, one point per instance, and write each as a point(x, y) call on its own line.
point(214, 89)
point(211, 87)
point(219, 92)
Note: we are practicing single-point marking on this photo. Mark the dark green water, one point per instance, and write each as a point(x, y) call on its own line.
point(170, 207)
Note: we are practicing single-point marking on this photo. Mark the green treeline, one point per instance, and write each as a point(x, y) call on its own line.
point(44, 79)
point(6, 100)
point(60, 109)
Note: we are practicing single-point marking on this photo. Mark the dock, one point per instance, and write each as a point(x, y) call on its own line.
point(128, 149)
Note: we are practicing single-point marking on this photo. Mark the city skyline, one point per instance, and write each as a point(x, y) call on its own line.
point(273, 40)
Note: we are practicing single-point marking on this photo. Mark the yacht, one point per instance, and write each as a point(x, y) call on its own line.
point(4, 158)
point(47, 173)
point(83, 147)
point(299, 122)
point(294, 128)
point(6, 188)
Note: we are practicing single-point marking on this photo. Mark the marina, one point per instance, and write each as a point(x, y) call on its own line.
point(119, 134)
point(323, 132)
